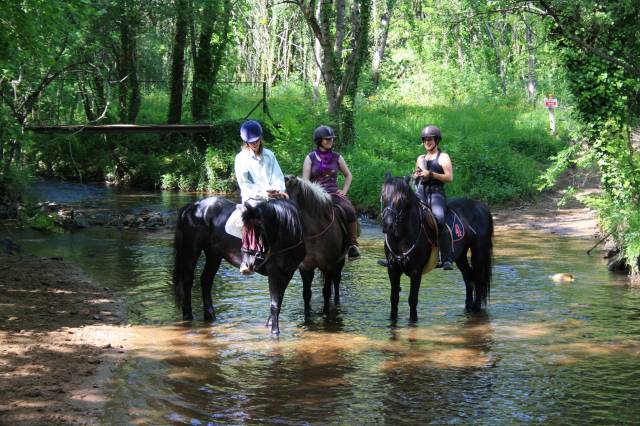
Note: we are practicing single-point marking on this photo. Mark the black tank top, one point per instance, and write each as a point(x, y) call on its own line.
point(432, 185)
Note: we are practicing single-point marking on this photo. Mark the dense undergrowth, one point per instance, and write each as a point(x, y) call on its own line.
point(498, 151)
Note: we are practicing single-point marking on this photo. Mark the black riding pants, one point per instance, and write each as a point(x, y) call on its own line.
point(437, 202)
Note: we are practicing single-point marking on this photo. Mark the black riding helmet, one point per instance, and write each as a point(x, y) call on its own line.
point(432, 131)
point(323, 132)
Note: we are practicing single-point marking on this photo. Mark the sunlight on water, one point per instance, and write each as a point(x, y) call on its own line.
point(545, 351)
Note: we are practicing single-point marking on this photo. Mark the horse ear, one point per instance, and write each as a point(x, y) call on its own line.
point(287, 178)
point(388, 175)
point(407, 179)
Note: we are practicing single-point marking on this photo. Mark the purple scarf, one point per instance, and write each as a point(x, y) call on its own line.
point(325, 158)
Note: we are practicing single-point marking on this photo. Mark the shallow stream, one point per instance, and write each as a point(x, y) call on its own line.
point(544, 352)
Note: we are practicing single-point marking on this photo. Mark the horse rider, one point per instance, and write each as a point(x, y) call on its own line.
point(322, 166)
point(433, 171)
point(259, 177)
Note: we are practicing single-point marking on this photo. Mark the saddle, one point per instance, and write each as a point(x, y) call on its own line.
point(454, 224)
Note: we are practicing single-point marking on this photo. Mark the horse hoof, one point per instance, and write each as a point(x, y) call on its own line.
point(209, 317)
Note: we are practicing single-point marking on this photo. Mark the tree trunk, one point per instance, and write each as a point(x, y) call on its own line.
point(531, 77)
point(177, 63)
point(129, 96)
point(381, 45)
point(202, 71)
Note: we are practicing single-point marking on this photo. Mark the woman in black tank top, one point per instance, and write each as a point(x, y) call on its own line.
point(434, 169)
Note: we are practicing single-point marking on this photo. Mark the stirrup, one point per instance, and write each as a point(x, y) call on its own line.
point(447, 265)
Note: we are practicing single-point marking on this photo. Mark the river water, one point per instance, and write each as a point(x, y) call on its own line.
point(543, 352)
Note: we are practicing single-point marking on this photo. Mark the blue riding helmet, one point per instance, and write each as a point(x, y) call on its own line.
point(251, 131)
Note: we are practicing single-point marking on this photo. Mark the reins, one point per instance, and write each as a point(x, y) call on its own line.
point(398, 217)
point(333, 217)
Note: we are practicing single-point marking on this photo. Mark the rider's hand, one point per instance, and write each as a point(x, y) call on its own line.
point(341, 192)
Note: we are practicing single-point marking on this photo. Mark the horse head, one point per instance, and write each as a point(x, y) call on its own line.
point(396, 199)
point(270, 228)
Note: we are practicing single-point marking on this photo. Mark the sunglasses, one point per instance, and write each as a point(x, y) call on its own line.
point(428, 138)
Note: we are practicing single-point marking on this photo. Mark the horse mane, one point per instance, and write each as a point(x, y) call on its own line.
point(396, 191)
point(281, 217)
point(313, 198)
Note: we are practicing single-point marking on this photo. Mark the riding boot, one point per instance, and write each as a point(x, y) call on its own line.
point(446, 254)
point(354, 252)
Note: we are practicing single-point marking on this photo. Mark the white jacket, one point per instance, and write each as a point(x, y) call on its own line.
point(257, 174)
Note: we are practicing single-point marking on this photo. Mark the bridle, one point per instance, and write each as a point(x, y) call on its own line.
point(399, 216)
point(261, 258)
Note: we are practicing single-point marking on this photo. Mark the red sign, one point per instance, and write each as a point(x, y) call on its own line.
point(551, 103)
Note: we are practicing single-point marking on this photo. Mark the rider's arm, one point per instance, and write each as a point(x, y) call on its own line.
point(306, 168)
point(416, 173)
point(445, 162)
point(347, 175)
point(276, 177)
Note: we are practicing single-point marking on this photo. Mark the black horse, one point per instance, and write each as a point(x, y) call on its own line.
point(200, 227)
point(326, 239)
point(410, 243)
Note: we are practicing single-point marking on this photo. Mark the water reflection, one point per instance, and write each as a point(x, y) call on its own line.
point(544, 351)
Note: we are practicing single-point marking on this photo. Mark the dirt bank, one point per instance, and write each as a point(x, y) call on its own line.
point(543, 214)
point(60, 336)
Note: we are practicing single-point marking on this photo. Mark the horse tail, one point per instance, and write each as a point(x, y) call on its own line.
point(483, 258)
point(179, 250)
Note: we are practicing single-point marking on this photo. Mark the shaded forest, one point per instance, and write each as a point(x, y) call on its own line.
point(375, 70)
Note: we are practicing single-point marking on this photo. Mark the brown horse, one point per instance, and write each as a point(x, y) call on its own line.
point(326, 239)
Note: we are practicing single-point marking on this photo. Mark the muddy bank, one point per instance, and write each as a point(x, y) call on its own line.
point(60, 337)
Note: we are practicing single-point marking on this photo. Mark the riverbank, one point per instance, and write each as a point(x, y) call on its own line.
point(61, 336)
point(543, 214)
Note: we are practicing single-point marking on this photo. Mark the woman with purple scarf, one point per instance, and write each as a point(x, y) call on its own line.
point(321, 166)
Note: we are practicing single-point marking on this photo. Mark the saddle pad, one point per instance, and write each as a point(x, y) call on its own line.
point(455, 226)
point(234, 223)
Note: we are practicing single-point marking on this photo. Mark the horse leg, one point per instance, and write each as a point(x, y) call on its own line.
point(415, 278)
point(307, 279)
point(206, 281)
point(187, 284)
point(467, 275)
point(337, 277)
point(277, 285)
point(326, 291)
point(394, 280)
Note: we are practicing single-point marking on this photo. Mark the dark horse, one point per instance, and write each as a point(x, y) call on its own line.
point(200, 227)
point(326, 239)
point(410, 244)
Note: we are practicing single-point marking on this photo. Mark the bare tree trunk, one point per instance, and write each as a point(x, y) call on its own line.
point(381, 44)
point(177, 63)
point(202, 68)
point(129, 96)
point(531, 77)
point(317, 54)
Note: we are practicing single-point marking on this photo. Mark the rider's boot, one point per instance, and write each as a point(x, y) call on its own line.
point(354, 252)
point(446, 254)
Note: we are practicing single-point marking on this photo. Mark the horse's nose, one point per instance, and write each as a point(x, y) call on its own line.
point(247, 264)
